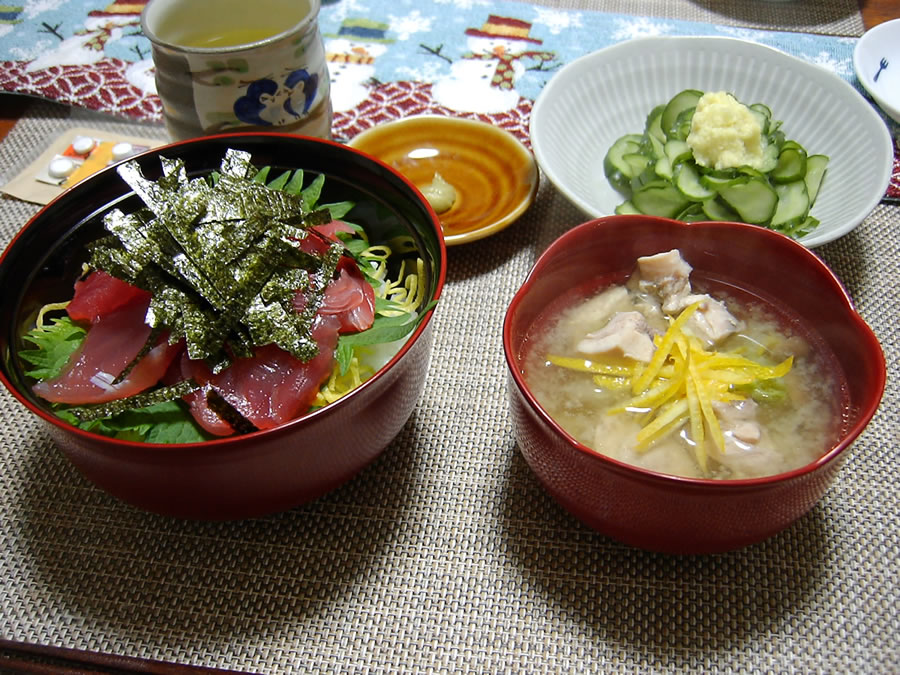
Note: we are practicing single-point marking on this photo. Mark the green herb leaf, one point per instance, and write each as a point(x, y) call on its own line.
point(343, 354)
point(166, 422)
point(313, 191)
point(280, 182)
point(338, 209)
point(295, 185)
point(355, 247)
point(386, 329)
point(262, 175)
point(770, 391)
point(55, 342)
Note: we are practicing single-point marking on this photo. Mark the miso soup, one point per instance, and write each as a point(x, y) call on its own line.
point(762, 396)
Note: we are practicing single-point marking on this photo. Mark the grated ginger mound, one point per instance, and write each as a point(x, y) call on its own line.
point(725, 134)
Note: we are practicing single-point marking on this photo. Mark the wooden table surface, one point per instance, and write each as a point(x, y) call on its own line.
point(873, 12)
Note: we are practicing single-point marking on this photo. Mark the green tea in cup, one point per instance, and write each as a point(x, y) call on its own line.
point(231, 65)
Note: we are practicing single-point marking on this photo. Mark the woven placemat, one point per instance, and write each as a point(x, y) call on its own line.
point(446, 554)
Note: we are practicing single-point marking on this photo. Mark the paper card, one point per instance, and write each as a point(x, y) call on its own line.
point(73, 156)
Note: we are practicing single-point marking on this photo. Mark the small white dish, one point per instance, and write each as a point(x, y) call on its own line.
point(876, 60)
point(596, 99)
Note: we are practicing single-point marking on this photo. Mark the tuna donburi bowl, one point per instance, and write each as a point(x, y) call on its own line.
point(227, 326)
point(686, 388)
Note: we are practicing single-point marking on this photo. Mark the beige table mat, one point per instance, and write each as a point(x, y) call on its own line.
point(446, 554)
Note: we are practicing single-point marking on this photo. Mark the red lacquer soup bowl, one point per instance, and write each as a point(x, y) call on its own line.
point(662, 512)
point(264, 471)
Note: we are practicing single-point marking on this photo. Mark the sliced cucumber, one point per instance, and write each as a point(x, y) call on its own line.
point(724, 174)
point(753, 199)
point(715, 182)
point(678, 151)
point(770, 158)
point(648, 175)
point(617, 170)
point(654, 126)
point(659, 198)
point(762, 109)
point(791, 164)
point(682, 101)
point(801, 228)
point(635, 163)
point(687, 180)
point(692, 214)
point(682, 127)
point(656, 147)
point(815, 173)
point(750, 171)
point(626, 207)
point(793, 204)
point(762, 114)
point(663, 168)
point(716, 209)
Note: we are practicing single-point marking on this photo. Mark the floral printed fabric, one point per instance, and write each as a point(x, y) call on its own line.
point(481, 60)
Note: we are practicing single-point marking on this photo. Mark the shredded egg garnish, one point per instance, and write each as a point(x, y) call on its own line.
point(678, 385)
point(340, 384)
point(405, 294)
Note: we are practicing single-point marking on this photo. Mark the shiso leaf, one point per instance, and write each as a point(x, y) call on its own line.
point(164, 422)
point(383, 329)
point(261, 176)
point(280, 182)
point(340, 209)
point(222, 258)
point(55, 342)
point(295, 185)
point(313, 191)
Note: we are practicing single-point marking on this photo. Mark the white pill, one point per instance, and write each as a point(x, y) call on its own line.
point(82, 145)
point(61, 167)
point(122, 150)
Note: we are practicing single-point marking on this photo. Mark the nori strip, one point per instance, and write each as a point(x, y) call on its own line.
point(143, 400)
point(228, 412)
point(151, 342)
point(222, 257)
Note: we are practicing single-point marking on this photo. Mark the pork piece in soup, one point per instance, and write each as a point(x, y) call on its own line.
point(654, 373)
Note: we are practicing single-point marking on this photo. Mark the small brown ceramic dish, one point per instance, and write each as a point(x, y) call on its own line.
point(494, 175)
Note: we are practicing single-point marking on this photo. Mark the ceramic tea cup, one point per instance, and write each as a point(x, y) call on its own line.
point(232, 65)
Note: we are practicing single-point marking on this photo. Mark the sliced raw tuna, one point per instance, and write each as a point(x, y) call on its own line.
point(321, 237)
point(112, 342)
point(350, 298)
point(101, 293)
point(269, 389)
point(331, 229)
